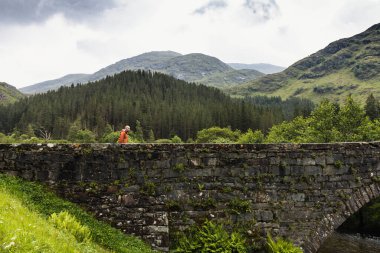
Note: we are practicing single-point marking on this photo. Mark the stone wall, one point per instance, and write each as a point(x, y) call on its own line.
point(298, 191)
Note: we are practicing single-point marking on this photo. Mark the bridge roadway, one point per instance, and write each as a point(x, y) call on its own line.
point(302, 192)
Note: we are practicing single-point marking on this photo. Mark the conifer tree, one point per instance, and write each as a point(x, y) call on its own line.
point(372, 107)
point(139, 133)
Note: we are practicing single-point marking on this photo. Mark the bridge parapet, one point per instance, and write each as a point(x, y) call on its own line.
point(300, 191)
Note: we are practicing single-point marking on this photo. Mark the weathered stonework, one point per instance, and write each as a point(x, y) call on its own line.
point(300, 191)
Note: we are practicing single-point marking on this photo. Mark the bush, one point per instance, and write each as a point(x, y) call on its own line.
point(110, 137)
point(252, 137)
point(281, 246)
point(211, 237)
point(65, 221)
point(160, 141)
point(217, 135)
point(176, 139)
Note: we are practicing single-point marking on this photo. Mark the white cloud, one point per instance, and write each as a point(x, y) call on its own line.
point(280, 33)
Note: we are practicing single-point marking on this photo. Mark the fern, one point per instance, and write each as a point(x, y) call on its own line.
point(64, 220)
point(281, 246)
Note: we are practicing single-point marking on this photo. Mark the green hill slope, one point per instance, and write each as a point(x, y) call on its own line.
point(25, 226)
point(9, 94)
point(346, 66)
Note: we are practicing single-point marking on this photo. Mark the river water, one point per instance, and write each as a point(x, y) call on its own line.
point(344, 243)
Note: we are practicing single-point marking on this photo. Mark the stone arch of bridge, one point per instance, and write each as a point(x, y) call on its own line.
point(330, 222)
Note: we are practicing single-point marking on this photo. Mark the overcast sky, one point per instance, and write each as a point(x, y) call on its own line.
point(47, 39)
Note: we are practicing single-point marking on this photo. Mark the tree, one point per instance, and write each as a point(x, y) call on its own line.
point(30, 131)
point(371, 108)
point(297, 131)
point(139, 134)
point(324, 122)
point(151, 137)
point(350, 119)
point(73, 131)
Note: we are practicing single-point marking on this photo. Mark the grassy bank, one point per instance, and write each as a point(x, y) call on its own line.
point(25, 226)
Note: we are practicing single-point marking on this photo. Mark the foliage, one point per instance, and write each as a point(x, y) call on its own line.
point(151, 137)
point(161, 141)
point(238, 206)
point(323, 122)
point(139, 134)
point(281, 246)
point(160, 103)
point(372, 107)
point(65, 221)
point(295, 131)
point(211, 237)
point(217, 135)
point(26, 231)
point(251, 137)
point(328, 123)
point(350, 119)
point(176, 139)
point(110, 137)
point(40, 200)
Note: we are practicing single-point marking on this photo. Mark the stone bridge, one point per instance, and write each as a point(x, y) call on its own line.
point(299, 191)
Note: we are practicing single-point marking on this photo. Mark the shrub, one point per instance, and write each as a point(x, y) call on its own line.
point(211, 237)
point(176, 139)
point(217, 135)
point(65, 221)
point(251, 137)
point(160, 141)
point(281, 246)
point(110, 137)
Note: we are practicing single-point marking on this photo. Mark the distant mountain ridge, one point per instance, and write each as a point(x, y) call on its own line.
point(193, 67)
point(346, 66)
point(9, 94)
point(52, 84)
point(262, 67)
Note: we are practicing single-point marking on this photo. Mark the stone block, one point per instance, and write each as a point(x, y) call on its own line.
point(298, 197)
point(312, 170)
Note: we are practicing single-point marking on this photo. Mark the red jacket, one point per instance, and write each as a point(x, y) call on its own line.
point(123, 138)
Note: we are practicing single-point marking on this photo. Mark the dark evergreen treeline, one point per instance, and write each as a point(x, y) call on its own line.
point(161, 103)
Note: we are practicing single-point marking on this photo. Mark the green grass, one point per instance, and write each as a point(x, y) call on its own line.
point(9, 94)
point(335, 87)
point(25, 209)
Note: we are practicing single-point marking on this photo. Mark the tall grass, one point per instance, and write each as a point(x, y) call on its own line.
point(39, 201)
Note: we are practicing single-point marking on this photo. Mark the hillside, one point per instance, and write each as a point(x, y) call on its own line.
point(230, 78)
point(9, 94)
point(262, 67)
point(197, 68)
point(346, 66)
point(52, 84)
point(26, 224)
point(160, 102)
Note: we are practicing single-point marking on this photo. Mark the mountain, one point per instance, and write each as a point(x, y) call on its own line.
point(195, 67)
point(147, 61)
point(9, 94)
point(261, 67)
point(347, 66)
point(52, 84)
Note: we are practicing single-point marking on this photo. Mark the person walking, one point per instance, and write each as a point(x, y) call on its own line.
point(123, 138)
